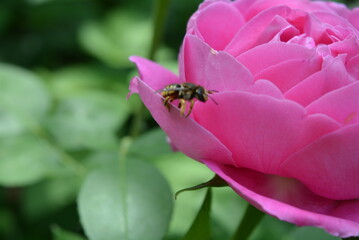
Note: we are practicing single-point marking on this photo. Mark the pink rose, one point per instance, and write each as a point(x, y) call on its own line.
point(285, 132)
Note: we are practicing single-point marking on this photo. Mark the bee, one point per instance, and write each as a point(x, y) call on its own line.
point(185, 92)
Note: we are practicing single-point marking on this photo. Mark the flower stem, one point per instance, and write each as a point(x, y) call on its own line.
point(160, 12)
point(251, 218)
point(67, 160)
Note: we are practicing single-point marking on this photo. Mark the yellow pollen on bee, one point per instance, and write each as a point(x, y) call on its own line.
point(350, 117)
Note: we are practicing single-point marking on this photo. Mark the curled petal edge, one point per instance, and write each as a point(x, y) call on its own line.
point(336, 226)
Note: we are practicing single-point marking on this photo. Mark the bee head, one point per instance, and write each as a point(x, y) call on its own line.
point(201, 94)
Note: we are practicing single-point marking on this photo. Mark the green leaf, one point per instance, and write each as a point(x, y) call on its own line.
point(183, 172)
point(248, 223)
point(310, 233)
point(129, 203)
point(24, 160)
point(56, 193)
point(273, 228)
point(121, 34)
point(88, 120)
point(7, 221)
point(151, 144)
point(98, 160)
point(72, 80)
point(24, 100)
point(201, 227)
point(60, 234)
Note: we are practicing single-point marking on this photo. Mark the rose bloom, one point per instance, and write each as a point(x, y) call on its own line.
point(285, 132)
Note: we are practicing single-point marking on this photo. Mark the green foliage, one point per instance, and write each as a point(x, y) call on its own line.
point(64, 175)
point(129, 203)
point(24, 100)
point(88, 120)
point(119, 35)
point(25, 160)
point(201, 226)
point(60, 234)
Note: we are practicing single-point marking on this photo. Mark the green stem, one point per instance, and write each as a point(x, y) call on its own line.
point(137, 123)
point(250, 220)
point(122, 160)
point(160, 12)
point(69, 162)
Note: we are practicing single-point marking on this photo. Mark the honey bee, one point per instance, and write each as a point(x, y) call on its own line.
point(185, 92)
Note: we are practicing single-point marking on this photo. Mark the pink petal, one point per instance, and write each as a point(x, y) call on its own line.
point(244, 5)
point(354, 18)
point(188, 136)
point(339, 8)
point(290, 201)
point(258, 30)
point(352, 66)
point(211, 69)
point(267, 55)
point(133, 87)
point(304, 40)
point(219, 19)
point(299, 69)
point(265, 87)
point(329, 166)
point(152, 74)
point(333, 76)
point(260, 131)
point(332, 19)
point(305, 5)
point(192, 25)
point(286, 34)
point(349, 46)
point(341, 104)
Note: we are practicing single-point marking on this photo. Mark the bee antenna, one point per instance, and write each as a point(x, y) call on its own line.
point(212, 91)
point(213, 99)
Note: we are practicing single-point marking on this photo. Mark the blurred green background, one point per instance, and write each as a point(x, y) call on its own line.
point(65, 122)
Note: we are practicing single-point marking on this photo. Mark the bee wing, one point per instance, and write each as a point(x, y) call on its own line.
point(171, 89)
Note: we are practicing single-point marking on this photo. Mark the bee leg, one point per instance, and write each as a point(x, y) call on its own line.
point(190, 108)
point(166, 102)
point(182, 106)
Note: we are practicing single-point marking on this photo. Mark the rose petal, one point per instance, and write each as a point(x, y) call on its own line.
point(339, 8)
point(305, 5)
point(354, 18)
point(243, 5)
point(211, 69)
point(329, 166)
point(192, 22)
point(219, 19)
point(304, 40)
point(251, 34)
point(188, 136)
point(286, 34)
point(260, 131)
point(352, 66)
point(331, 18)
point(267, 55)
point(152, 74)
point(290, 201)
point(349, 46)
point(331, 77)
point(299, 69)
point(265, 87)
point(341, 104)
